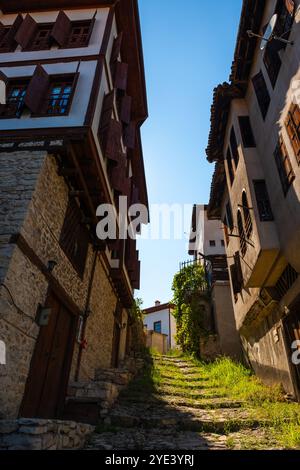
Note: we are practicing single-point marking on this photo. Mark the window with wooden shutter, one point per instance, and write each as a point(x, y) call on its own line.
point(41, 39)
point(130, 135)
point(242, 235)
point(61, 29)
point(116, 50)
point(284, 167)
point(80, 34)
point(262, 93)
point(125, 108)
point(234, 148)
point(26, 32)
point(59, 96)
point(247, 215)
point(246, 132)
point(7, 39)
point(229, 216)
point(292, 124)
point(110, 140)
point(272, 63)
point(229, 166)
point(263, 201)
point(74, 237)
point(37, 89)
point(120, 76)
point(285, 10)
point(107, 110)
point(15, 94)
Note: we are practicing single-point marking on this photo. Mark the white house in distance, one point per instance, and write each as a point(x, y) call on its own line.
point(161, 320)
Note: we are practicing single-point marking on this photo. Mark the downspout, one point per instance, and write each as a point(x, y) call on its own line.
point(86, 308)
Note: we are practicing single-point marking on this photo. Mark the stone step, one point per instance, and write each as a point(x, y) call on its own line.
point(214, 403)
point(204, 422)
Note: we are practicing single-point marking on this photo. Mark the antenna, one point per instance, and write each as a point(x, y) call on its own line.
point(268, 34)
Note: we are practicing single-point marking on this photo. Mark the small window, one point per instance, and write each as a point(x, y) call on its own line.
point(229, 216)
point(263, 201)
point(229, 166)
point(284, 167)
point(80, 34)
point(74, 237)
point(246, 132)
point(262, 93)
point(5, 45)
point(247, 215)
point(234, 148)
point(225, 228)
point(292, 124)
point(272, 63)
point(242, 236)
point(222, 243)
point(42, 38)
point(212, 243)
point(16, 91)
point(59, 97)
point(157, 326)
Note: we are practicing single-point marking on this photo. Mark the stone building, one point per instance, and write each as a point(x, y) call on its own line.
point(255, 142)
point(69, 142)
point(207, 247)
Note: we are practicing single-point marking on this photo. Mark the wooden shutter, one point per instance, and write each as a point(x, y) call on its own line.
point(107, 108)
point(284, 166)
point(10, 37)
point(129, 135)
point(26, 32)
point(292, 124)
point(61, 29)
point(116, 50)
point(121, 76)
point(112, 141)
point(117, 177)
point(125, 109)
point(37, 89)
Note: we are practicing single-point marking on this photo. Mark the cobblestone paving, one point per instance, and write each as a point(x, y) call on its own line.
point(181, 411)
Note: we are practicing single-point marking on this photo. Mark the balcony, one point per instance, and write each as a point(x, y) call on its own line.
point(215, 269)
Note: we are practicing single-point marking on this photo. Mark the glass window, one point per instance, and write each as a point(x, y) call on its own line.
point(157, 326)
point(59, 98)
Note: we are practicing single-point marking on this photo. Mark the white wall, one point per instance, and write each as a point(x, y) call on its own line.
point(166, 319)
point(208, 230)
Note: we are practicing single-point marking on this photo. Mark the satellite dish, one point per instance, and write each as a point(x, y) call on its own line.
point(268, 33)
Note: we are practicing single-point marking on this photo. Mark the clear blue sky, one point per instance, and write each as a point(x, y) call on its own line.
point(188, 50)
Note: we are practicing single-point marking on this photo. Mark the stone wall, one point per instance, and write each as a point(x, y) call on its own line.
point(40, 434)
point(33, 201)
point(157, 341)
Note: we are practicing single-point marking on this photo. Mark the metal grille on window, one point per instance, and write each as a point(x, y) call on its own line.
point(247, 215)
point(263, 201)
point(243, 242)
point(292, 125)
point(286, 280)
point(59, 98)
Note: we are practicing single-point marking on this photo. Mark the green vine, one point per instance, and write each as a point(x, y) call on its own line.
point(189, 287)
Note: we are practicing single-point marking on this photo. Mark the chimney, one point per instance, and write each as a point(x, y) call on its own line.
point(157, 303)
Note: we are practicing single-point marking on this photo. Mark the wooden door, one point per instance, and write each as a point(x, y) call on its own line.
point(292, 333)
point(50, 365)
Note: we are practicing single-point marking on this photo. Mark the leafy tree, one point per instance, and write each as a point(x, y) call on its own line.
point(189, 286)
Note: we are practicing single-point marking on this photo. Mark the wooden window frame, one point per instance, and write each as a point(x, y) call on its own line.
point(8, 48)
point(41, 26)
point(69, 237)
point(76, 24)
point(262, 93)
point(58, 78)
point(246, 132)
point(234, 148)
point(14, 82)
point(229, 216)
point(157, 323)
point(293, 130)
point(263, 201)
point(230, 166)
point(284, 166)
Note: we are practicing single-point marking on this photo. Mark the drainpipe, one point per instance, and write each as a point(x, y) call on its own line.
point(86, 308)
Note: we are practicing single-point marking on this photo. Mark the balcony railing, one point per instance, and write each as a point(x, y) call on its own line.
point(215, 267)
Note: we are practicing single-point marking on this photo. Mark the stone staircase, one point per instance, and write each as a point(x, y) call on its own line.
point(181, 411)
point(88, 402)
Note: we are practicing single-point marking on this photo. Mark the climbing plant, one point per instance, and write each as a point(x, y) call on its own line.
point(136, 311)
point(189, 286)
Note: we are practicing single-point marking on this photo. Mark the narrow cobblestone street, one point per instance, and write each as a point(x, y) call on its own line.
point(180, 410)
